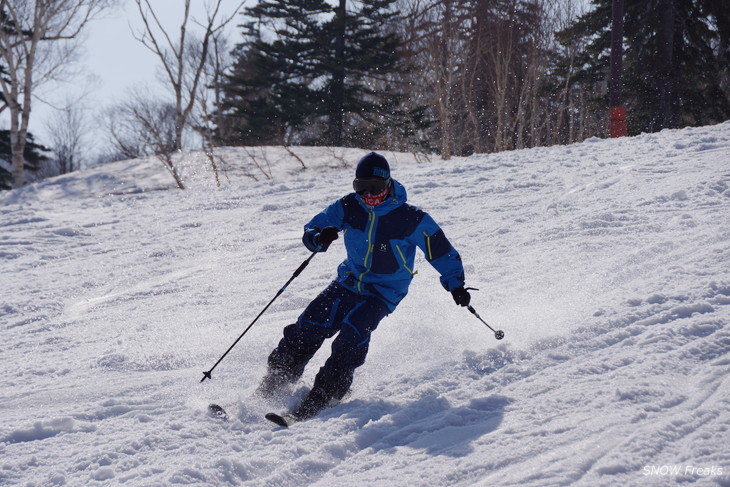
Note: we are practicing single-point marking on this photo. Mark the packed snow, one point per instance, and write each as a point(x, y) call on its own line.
point(605, 263)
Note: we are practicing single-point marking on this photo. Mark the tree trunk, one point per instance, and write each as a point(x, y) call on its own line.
point(481, 97)
point(19, 128)
point(17, 143)
point(665, 40)
point(338, 77)
point(443, 83)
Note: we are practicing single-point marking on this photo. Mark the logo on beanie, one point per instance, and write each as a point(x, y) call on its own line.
point(380, 172)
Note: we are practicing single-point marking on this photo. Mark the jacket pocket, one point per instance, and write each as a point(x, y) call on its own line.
point(383, 259)
point(404, 261)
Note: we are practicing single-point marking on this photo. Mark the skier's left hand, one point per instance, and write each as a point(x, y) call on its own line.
point(461, 296)
point(326, 236)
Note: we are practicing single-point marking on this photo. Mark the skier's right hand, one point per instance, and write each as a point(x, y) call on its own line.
point(326, 236)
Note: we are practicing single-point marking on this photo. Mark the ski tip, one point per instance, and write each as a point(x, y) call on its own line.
point(217, 412)
point(283, 421)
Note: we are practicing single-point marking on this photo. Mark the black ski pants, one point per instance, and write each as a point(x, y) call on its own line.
point(336, 311)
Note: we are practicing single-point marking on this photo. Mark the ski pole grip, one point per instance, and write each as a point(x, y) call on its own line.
point(303, 266)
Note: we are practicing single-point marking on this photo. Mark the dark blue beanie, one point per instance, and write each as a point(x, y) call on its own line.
point(372, 165)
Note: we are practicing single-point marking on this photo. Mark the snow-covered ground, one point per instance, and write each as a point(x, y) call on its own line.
point(606, 263)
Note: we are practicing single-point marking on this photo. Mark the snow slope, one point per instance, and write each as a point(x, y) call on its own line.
point(606, 263)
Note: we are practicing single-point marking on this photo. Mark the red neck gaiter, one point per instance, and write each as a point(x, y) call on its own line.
point(374, 200)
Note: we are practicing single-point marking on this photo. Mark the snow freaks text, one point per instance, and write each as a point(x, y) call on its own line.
point(681, 470)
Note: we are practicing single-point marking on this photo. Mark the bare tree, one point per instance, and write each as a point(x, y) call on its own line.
point(218, 61)
point(183, 61)
point(445, 64)
point(125, 140)
point(486, 64)
point(66, 129)
point(36, 44)
point(434, 36)
point(142, 126)
point(568, 104)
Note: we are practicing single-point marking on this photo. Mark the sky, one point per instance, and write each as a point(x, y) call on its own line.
point(112, 61)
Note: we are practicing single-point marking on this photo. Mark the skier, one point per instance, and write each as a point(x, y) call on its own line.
point(381, 233)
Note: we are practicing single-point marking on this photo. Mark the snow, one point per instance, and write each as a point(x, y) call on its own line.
point(606, 263)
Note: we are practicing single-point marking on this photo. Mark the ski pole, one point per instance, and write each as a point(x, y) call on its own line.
point(498, 334)
point(206, 375)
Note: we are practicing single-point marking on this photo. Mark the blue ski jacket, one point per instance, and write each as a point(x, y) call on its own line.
point(381, 245)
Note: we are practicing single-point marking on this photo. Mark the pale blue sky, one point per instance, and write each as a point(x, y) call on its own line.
point(113, 61)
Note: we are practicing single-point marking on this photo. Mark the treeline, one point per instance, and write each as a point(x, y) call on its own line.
point(463, 76)
point(451, 77)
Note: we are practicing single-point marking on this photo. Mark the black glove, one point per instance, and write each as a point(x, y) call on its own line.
point(326, 236)
point(461, 296)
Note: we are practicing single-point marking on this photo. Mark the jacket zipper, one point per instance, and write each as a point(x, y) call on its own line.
point(371, 246)
point(403, 258)
point(428, 246)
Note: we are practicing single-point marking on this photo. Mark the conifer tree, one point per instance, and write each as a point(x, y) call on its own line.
point(34, 158)
point(270, 91)
point(313, 72)
point(358, 68)
point(671, 60)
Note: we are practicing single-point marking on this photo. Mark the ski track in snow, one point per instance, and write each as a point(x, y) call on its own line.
point(606, 263)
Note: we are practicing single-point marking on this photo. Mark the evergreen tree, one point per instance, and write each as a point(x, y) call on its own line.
point(311, 72)
point(270, 91)
point(671, 68)
point(359, 67)
point(34, 158)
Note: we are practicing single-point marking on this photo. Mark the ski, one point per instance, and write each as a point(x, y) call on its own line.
point(217, 412)
point(311, 406)
point(283, 421)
